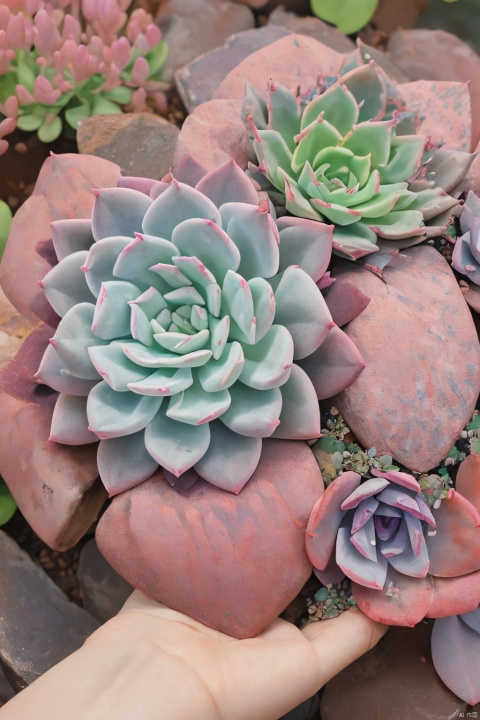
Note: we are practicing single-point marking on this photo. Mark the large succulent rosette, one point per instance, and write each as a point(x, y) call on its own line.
point(184, 327)
point(349, 156)
point(405, 560)
point(466, 252)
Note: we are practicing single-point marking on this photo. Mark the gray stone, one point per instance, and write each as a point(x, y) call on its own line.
point(104, 590)
point(39, 626)
point(395, 680)
point(312, 26)
point(422, 378)
point(194, 27)
point(141, 144)
point(197, 82)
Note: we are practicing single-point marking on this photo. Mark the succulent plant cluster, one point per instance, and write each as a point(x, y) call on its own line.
point(349, 156)
point(61, 63)
point(185, 327)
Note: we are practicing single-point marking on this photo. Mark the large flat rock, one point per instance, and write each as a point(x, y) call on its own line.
point(234, 562)
point(39, 626)
point(422, 379)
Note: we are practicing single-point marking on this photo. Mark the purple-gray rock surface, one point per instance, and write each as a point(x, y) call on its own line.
point(422, 378)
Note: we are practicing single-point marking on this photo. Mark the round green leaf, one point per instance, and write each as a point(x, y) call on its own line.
point(5, 222)
point(7, 503)
point(47, 133)
point(30, 123)
point(348, 15)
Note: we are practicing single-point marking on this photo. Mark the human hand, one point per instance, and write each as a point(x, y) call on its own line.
point(153, 663)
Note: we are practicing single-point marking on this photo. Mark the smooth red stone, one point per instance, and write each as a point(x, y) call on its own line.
point(422, 375)
point(63, 190)
point(455, 548)
point(468, 480)
point(345, 303)
point(455, 596)
point(439, 55)
point(407, 606)
point(234, 562)
point(55, 486)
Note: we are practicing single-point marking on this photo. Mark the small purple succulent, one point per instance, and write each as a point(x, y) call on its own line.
point(466, 252)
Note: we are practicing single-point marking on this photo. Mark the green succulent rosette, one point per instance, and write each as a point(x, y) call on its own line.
point(187, 333)
point(351, 156)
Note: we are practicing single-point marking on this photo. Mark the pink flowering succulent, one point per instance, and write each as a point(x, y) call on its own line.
point(192, 327)
point(406, 561)
point(61, 64)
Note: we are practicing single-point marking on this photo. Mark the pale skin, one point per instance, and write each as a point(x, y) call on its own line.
point(153, 663)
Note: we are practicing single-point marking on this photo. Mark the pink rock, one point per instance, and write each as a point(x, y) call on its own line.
point(293, 61)
point(55, 486)
point(439, 55)
point(421, 349)
point(29, 253)
point(447, 110)
point(468, 479)
point(232, 562)
point(214, 133)
point(14, 329)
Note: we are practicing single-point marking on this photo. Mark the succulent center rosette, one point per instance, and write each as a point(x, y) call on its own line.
point(348, 157)
point(380, 522)
point(183, 320)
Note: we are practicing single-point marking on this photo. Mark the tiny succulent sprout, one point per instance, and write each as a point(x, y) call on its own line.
point(350, 156)
point(65, 62)
point(466, 252)
point(187, 334)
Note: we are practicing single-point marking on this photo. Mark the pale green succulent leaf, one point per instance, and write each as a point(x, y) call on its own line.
point(154, 358)
point(256, 107)
point(101, 261)
point(263, 306)
point(268, 363)
point(253, 413)
point(397, 225)
point(380, 204)
point(274, 152)
point(54, 372)
point(164, 382)
point(184, 296)
point(69, 421)
point(102, 106)
point(72, 339)
point(368, 88)
point(305, 243)
point(195, 271)
point(354, 241)
point(177, 204)
point(432, 202)
point(65, 284)
point(302, 310)
point(372, 138)
point(338, 106)
point(405, 157)
point(237, 302)
point(112, 414)
point(115, 368)
point(112, 311)
point(448, 167)
point(300, 416)
point(207, 241)
point(70, 236)
point(181, 343)
point(139, 255)
point(171, 274)
point(220, 329)
point(75, 115)
point(30, 122)
point(295, 201)
point(230, 460)
point(319, 134)
point(220, 374)
point(254, 233)
point(118, 212)
point(176, 446)
point(199, 318)
point(124, 462)
point(195, 406)
point(284, 113)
